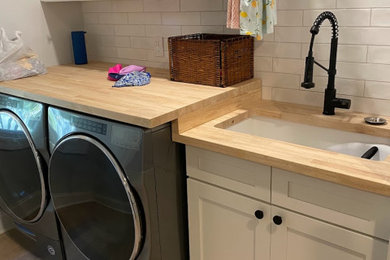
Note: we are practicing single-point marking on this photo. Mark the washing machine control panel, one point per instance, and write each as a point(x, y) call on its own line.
point(8, 101)
point(90, 125)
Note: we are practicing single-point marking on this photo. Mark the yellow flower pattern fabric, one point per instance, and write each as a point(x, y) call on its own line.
point(257, 17)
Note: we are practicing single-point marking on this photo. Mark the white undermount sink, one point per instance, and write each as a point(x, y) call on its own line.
point(318, 137)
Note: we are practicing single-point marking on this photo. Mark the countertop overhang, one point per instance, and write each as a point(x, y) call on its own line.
point(362, 174)
point(84, 88)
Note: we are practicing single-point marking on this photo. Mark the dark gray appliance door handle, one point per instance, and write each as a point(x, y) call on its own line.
point(133, 203)
point(38, 164)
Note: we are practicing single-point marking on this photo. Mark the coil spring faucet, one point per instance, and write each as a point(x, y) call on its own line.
point(330, 101)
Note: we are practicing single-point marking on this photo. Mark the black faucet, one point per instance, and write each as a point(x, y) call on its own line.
point(330, 102)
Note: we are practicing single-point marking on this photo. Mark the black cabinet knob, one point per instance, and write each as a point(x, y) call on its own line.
point(277, 220)
point(259, 214)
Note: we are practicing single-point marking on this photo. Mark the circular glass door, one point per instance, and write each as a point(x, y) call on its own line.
point(22, 186)
point(93, 200)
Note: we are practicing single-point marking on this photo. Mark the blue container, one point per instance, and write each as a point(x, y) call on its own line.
point(79, 49)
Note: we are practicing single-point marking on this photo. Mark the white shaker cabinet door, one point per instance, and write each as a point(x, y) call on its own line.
point(302, 238)
point(223, 225)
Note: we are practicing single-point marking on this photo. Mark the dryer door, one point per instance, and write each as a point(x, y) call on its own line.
point(22, 185)
point(93, 199)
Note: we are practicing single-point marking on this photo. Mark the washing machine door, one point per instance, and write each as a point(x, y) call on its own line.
point(22, 185)
point(93, 199)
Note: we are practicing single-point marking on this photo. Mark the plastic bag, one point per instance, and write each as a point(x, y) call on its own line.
point(17, 60)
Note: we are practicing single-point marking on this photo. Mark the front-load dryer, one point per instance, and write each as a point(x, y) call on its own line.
point(24, 194)
point(118, 190)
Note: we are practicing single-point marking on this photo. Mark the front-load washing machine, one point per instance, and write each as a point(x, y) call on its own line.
point(24, 194)
point(118, 190)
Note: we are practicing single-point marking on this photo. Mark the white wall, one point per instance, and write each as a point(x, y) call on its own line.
point(124, 31)
point(46, 27)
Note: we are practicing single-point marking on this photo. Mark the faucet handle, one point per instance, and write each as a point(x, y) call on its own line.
point(342, 103)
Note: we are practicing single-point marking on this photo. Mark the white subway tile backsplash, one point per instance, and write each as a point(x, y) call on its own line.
point(290, 18)
point(125, 31)
point(292, 66)
point(113, 41)
point(183, 18)
point(263, 64)
point(349, 53)
point(144, 18)
point(91, 18)
point(380, 90)
point(344, 86)
point(350, 87)
point(362, 3)
point(370, 105)
point(201, 29)
point(345, 17)
point(162, 30)
point(103, 51)
point(272, 79)
point(213, 18)
point(380, 17)
point(365, 71)
point(306, 4)
point(379, 54)
point(100, 29)
point(365, 35)
point(161, 5)
point(201, 5)
point(121, 41)
point(96, 6)
point(142, 43)
point(278, 49)
point(269, 37)
point(303, 97)
point(130, 53)
point(301, 34)
point(146, 63)
point(130, 30)
point(113, 18)
point(127, 5)
point(289, 34)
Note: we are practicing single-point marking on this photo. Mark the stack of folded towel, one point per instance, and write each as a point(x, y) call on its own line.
point(132, 75)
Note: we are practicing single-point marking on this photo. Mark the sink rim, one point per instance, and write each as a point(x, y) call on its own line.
point(385, 142)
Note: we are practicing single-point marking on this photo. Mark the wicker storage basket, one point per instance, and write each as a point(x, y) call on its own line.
point(211, 59)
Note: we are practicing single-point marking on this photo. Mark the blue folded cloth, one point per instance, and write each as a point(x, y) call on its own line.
point(135, 78)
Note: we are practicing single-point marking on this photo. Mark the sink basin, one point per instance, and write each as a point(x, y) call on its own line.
point(357, 149)
point(354, 144)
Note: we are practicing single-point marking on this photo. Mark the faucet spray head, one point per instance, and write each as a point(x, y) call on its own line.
point(308, 79)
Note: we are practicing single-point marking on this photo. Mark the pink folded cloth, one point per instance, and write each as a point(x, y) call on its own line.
point(233, 14)
point(131, 68)
point(114, 69)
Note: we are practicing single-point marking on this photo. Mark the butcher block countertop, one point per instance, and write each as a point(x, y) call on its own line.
point(363, 174)
point(201, 114)
point(84, 88)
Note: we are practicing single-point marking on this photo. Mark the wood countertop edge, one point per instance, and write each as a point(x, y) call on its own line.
point(77, 107)
point(366, 175)
point(373, 181)
point(129, 116)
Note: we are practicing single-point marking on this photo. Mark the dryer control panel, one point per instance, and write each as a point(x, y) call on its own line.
point(89, 125)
